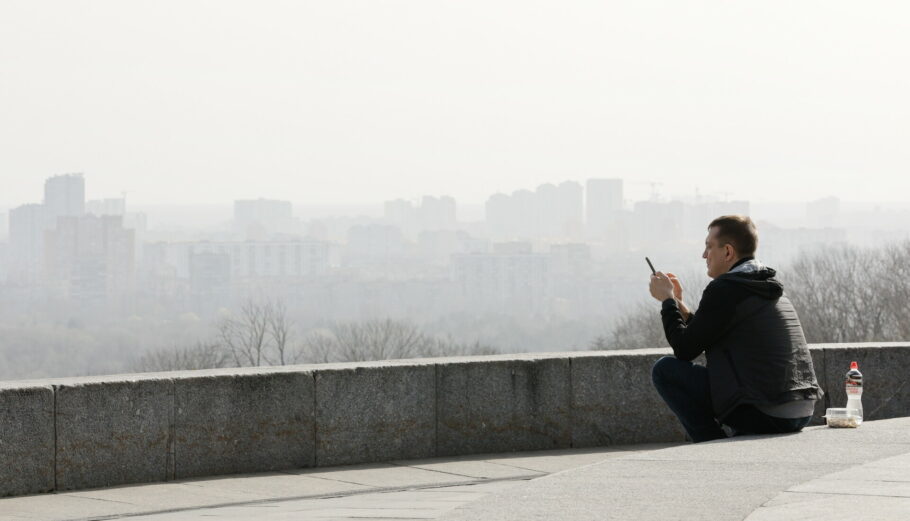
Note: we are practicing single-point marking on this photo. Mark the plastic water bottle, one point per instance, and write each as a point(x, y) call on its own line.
point(855, 392)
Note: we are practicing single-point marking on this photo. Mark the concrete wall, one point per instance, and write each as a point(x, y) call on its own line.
point(80, 433)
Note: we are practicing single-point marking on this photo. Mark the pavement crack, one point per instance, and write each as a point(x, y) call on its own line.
point(267, 501)
point(541, 472)
point(339, 480)
point(104, 500)
point(439, 471)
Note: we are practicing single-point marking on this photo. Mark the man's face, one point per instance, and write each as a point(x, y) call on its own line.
point(719, 257)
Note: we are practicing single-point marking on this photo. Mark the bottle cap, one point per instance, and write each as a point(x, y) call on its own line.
point(854, 365)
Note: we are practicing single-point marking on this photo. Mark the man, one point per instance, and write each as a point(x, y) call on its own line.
point(759, 377)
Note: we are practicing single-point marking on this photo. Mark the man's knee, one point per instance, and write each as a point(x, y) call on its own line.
point(661, 368)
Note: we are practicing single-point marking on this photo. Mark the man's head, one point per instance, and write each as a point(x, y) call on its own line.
point(730, 238)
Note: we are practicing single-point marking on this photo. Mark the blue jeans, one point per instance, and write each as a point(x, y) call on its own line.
point(685, 388)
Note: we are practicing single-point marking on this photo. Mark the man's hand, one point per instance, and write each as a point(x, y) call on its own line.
point(662, 287)
point(678, 294)
point(677, 287)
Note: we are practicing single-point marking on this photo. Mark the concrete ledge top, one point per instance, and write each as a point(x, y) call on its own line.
point(313, 368)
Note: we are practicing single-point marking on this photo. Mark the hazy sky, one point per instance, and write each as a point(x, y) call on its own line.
point(354, 101)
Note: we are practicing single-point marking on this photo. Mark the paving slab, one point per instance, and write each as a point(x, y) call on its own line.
point(388, 476)
point(406, 504)
point(832, 507)
point(557, 460)
point(721, 480)
point(276, 485)
point(476, 469)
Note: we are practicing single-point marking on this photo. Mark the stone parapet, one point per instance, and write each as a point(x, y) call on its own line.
point(76, 433)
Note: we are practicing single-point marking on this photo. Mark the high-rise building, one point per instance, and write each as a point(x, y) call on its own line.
point(658, 224)
point(569, 211)
point(64, 196)
point(699, 215)
point(115, 206)
point(500, 216)
point(26, 244)
point(433, 214)
point(401, 213)
point(90, 257)
point(436, 213)
point(511, 278)
point(4, 226)
point(603, 204)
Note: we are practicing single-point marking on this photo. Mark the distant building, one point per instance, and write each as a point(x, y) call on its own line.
point(99, 207)
point(699, 215)
point(569, 209)
point(270, 259)
point(658, 224)
point(258, 219)
point(401, 213)
point(510, 278)
point(374, 243)
point(89, 257)
point(437, 247)
point(603, 205)
point(501, 216)
point(26, 244)
point(433, 214)
point(64, 196)
point(210, 277)
point(779, 246)
point(4, 226)
point(437, 213)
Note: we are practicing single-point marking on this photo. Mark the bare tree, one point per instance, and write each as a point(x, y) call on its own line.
point(260, 334)
point(279, 329)
point(381, 340)
point(203, 355)
point(896, 290)
point(847, 294)
point(638, 329)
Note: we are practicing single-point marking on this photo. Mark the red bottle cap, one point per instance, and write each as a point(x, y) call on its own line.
point(854, 365)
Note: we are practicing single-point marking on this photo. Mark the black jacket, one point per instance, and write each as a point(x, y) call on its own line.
point(752, 339)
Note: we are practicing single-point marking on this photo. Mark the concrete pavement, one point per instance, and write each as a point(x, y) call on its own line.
point(822, 473)
point(413, 489)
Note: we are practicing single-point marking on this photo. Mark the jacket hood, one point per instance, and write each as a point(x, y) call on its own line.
point(755, 278)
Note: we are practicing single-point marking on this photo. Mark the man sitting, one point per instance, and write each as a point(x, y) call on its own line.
point(759, 377)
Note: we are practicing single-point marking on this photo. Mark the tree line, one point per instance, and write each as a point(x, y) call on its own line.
point(262, 334)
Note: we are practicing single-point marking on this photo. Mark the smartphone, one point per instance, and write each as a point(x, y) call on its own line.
point(653, 271)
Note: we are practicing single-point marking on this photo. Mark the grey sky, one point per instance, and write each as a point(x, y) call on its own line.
point(355, 101)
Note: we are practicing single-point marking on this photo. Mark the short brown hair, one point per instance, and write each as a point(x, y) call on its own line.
point(738, 231)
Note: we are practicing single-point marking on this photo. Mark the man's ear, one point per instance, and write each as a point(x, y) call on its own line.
point(729, 251)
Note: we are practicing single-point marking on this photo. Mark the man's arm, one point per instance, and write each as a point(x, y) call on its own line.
point(684, 311)
point(689, 338)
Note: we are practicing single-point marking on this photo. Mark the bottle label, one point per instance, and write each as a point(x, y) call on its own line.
point(854, 387)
